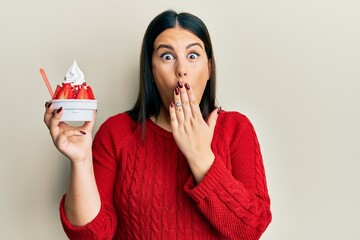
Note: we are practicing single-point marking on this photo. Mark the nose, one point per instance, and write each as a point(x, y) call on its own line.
point(181, 74)
point(180, 70)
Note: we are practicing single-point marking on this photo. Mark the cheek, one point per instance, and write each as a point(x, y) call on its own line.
point(198, 88)
point(164, 83)
point(198, 83)
point(158, 77)
point(200, 91)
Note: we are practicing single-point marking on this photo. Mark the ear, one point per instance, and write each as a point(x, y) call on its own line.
point(209, 68)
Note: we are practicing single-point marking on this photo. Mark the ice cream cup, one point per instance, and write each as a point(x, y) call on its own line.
point(76, 110)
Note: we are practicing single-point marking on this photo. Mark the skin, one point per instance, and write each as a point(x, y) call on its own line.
point(180, 65)
point(179, 56)
point(82, 202)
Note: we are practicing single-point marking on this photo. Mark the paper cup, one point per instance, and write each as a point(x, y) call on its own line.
point(76, 110)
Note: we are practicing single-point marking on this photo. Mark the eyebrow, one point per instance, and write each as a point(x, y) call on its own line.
point(164, 46)
point(171, 47)
point(193, 44)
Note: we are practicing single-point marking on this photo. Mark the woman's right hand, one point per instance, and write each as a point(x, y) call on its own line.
point(74, 142)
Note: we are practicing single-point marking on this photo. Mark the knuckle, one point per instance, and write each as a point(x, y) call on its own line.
point(193, 102)
point(173, 118)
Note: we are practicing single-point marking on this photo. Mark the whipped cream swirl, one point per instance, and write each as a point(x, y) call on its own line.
point(74, 75)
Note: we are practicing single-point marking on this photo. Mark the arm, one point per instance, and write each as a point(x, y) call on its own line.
point(84, 214)
point(104, 224)
point(83, 202)
point(229, 188)
point(235, 201)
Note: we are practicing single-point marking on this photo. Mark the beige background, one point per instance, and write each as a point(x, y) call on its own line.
point(292, 67)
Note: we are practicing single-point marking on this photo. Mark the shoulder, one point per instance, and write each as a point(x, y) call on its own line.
point(233, 125)
point(117, 127)
point(123, 119)
point(233, 120)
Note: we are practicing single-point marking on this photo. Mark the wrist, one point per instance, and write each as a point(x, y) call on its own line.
point(201, 165)
point(79, 164)
point(80, 158)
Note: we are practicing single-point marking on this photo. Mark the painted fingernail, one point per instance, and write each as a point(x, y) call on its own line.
point(180, 84)
point(172, 104)
point(83, 133)
point(187, 86)
point(219, 110)
point(59, 110)
point(177, 91)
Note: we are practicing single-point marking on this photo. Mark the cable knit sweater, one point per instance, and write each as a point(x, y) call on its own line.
point(148, 191)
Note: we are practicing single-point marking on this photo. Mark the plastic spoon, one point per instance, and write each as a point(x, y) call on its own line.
point(46, 82)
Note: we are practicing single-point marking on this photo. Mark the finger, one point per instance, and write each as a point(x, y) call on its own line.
point(89, 125)
point(178, 107)
point(72, 132)
point(48, 113)
point(194, 105)
point(213, 118)
point(54, 122)
point(173, 118)
point(184, 101)
point(63, 139)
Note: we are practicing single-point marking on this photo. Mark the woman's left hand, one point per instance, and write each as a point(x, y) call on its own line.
point(191, 133)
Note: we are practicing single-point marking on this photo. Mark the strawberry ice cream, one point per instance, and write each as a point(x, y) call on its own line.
point(74, 86)
point(75, 97)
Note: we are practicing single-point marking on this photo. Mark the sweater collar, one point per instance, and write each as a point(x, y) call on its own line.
point(156, 129)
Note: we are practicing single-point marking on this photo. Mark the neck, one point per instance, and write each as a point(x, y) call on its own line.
point(163, 119)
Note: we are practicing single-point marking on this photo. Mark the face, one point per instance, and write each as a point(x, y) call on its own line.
point(179, 55)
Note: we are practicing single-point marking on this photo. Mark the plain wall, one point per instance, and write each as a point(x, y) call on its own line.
point(292, 67)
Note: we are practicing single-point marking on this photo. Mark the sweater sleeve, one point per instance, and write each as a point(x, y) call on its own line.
point(103, 226)
point(234, 197)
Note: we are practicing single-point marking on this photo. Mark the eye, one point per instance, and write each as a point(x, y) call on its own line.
point(167, 56)
point(193, 56)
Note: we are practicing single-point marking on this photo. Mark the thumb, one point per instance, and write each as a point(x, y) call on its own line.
point(213, 118)
point(89, 125)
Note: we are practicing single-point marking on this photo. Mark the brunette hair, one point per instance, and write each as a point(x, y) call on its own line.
point(149, 101)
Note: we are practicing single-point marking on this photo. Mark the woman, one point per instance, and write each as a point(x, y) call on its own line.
point(174, 166)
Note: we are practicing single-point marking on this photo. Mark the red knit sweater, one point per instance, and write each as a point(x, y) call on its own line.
point(148, 192)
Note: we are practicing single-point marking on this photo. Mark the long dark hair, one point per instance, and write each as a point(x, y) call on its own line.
point(149, 101)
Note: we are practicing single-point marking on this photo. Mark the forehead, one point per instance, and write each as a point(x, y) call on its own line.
point(177, 36)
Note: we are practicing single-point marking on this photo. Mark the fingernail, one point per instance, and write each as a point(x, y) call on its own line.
point(177, 91)
point(82, 132)
point(219, 110)
point(172, 104)
point(180, 84)
point(187, 86)
point(59, 110)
